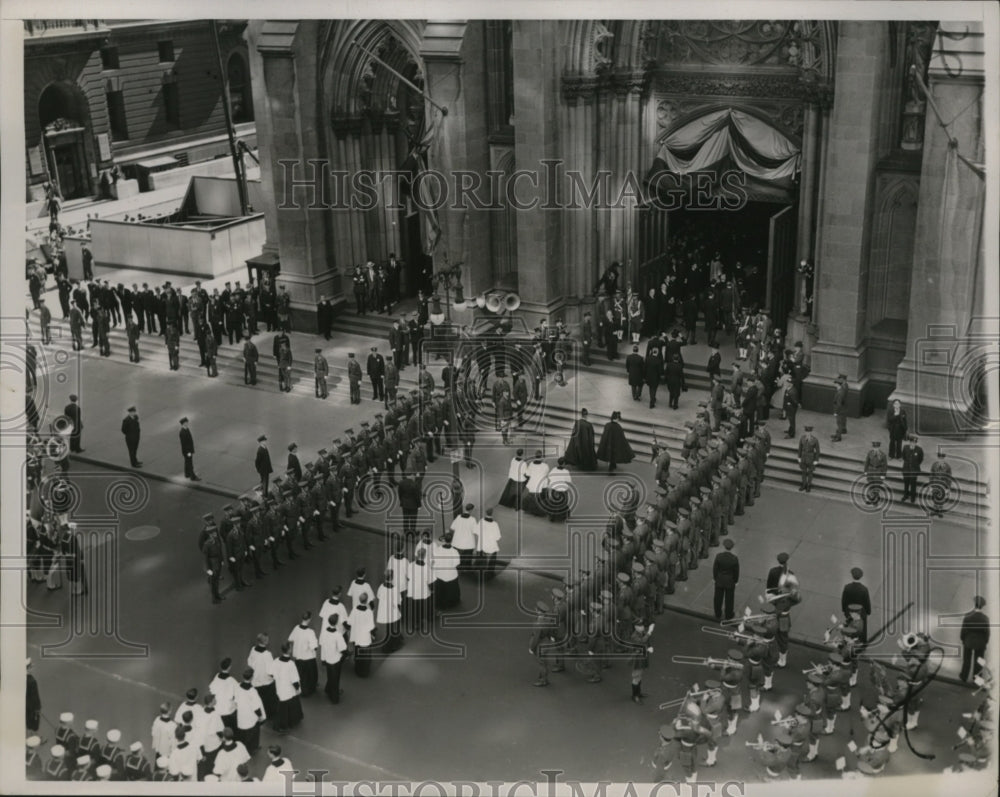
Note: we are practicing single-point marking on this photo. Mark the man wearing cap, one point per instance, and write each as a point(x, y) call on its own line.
point(187, 451)
point(376, 374)
point(542, 643)
point(250, 358)
point(33, 767)
point(212, 550)
point(354, 378)
point(726, 574)
point(262, 464)
point(320, 371)
point(89, 743)
point(975, 636)
point(130, 428)
point(808, 457)
point(84, 768)
point(913, 457)
point(112, 755)
point(56, 768)
point(876, 467)
point(840, 407)
point(941, 482)
point(137, 767)
point(855, 594)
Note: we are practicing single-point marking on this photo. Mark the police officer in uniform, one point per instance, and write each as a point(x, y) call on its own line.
point(808, 457)
point(941, 483)
point(876, 467)
point(212, 550)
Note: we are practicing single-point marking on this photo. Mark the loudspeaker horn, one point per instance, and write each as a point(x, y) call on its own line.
point(511, 302)
point(493, 303)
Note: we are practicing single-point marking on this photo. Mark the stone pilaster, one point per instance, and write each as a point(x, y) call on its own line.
point(841, 260)
point(945, 339)
point(536, 102)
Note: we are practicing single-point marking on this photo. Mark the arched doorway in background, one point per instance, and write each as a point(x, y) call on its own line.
point(64, 119)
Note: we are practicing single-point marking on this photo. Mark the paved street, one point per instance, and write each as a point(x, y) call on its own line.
point(472, 682)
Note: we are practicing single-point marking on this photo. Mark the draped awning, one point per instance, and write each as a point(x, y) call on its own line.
point(727, 139)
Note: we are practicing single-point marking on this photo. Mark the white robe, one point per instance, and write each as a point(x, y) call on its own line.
point(362, 625)
point(286, 675)
point(248, 703)
point(536, 473)
point(419, 579)
point(489, 536)
point(329, 608)
point(261, 662)
point(387, 610)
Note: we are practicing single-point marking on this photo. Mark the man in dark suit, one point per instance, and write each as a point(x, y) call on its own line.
point(72, 411)
point(376, 373)
point(653, 368)
point(187, 451)
point(856, 594)
point(726, 574)
point(262, 464)
point(913, 457)
point(790, 406)
point(715, 362)
point(672, 349)
point(975, 637)
point(635, 366)
point(130, 428)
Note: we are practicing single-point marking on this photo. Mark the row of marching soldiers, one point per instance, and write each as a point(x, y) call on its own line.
point(606, 612)
point(293, 513)
point(707, 713)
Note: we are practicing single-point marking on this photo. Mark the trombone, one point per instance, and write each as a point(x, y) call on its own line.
point(680, 701)
point(736, 636)
point(746, 618)
point(708, 661)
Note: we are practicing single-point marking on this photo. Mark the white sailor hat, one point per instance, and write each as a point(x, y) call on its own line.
point(114, 736)
point(104, 771)
point(90, 725)
point(32, 741)
point(66, 717)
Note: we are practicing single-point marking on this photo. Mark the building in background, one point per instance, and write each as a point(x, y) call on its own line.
point(140, 95)
point(863, 226)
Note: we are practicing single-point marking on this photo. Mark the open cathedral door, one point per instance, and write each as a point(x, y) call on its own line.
point(781, 242)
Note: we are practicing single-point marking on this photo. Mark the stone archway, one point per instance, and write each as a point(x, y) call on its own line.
point(64, 121)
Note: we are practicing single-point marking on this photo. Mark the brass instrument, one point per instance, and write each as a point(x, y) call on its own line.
point(708, 661)
point(736, 636)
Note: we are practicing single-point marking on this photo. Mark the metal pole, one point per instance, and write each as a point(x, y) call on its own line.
point(414, 86)
point(230, 131)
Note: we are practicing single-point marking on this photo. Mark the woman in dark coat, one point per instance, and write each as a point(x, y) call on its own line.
point(580, 451)
point(897, 429)
point(614, 448)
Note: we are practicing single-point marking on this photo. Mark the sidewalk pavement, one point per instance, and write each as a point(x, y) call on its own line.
point(823, 539)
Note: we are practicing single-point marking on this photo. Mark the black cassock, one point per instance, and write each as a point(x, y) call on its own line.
point(614, 447)
point(580, 451)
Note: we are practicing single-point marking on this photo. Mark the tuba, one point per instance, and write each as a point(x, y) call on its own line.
point(493, 303)
point(511, 302)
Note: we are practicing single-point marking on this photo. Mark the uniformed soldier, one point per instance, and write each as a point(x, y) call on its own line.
point(289, 520)
point(840, 407)
point(89, 742)
point(876, 467)
point(236, 550)
point(317, 501)
point(137, 767)
point(941, 483)
point(33, 767)
point(66, 737)
point(808, 458)
point(690, 442)
point(777, 756)
point(354, 380)
point(321, 370)
point(112, 755)
point(256, 538)
point(83, 769)
point(640, 649)
point(542, 643)
point(213, 553)
point(273, 529)
point(788, 595)
point(562, 635)
point(596, 642)
point(668, 751)
point(871, 761)
point(349, 479)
